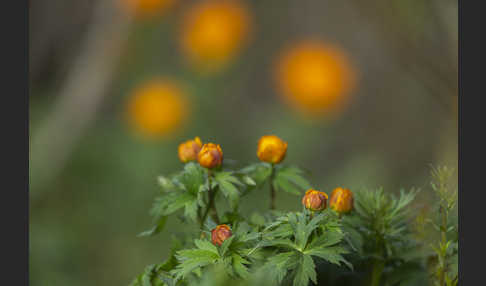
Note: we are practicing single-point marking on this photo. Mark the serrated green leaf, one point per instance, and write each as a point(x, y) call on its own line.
point(331, 254)
point(226, 182)
point(305, 271)
point(225, 245)
point(206, 245)
point(239, 266)
point(278, 265)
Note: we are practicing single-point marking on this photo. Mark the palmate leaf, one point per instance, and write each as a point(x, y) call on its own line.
point(192, 179)
point(239, 267)
point(277, 266)
point(193, 259)
point(305, 271)
point(290, 180)
point(257, 173)
point(332, 254)
point(228, 183)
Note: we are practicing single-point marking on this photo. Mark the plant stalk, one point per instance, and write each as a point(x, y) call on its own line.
point(273, 195)
point(211, 205)
point(378, 266)
point(443, 229)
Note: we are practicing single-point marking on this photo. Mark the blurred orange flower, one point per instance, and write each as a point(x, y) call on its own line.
point(213, 32)
point(315, 77)
point(157, 108)
point(147, 8)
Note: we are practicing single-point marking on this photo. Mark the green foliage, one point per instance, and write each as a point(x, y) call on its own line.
point(290, 180)
point(373, 245)
point(232, 255)
point(379, 230)
point(446, 247)
point(296, 239)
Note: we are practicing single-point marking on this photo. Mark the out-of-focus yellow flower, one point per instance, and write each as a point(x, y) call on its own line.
point(189, 149)
point(213, 32)
point(271, 149)
point(220, 234)
point(157, 108)
point(314, 77)
point(341, 200)
point(147, 8)
point(210, 156)
point(314, 200)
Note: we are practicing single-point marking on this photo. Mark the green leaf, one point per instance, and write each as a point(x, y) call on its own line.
point(278, 265)
point(166, 184)
point(192, 178)
point(258, 172)
point(329, 238)
point(227, 184)
point(206, 245)
point(249, 181)
point(305, 271)
point(331, 254)
point(190, 210)
point(285, 243)
point(225, 245)
point(170, 203)
point(239, 266)
point(290, 179)
point(158, 227)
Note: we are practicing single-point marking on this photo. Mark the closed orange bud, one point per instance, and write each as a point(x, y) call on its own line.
point(220, 234)
point(210, 156)
point(314, 200)
point(188, 150)
point(271, 149)
point(341, 200)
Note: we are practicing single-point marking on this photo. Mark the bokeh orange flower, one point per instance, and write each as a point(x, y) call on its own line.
point(213, 32)
point(315, 77)
point(146, 8)
point(157, 108)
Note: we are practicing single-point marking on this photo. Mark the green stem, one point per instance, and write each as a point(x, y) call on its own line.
point(442, 259)
point(378, 266)
point(273, 195)
point(211, 206)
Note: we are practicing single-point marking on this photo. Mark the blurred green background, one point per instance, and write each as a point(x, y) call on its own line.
point(93, 179)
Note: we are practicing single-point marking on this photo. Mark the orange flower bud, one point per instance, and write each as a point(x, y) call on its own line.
point(210, 156)
point(220, 234)
point(188, 150)
point(315, 200)
point(271, 149)
point(341, 200)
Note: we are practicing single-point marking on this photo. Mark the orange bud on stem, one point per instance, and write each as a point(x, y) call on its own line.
point(220, 234)
point(210, 156)
point(315, 200)
point(341, 200)
point(189, 150)
point(271, 149)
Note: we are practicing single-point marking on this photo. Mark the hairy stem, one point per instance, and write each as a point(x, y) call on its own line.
point(273, 194)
